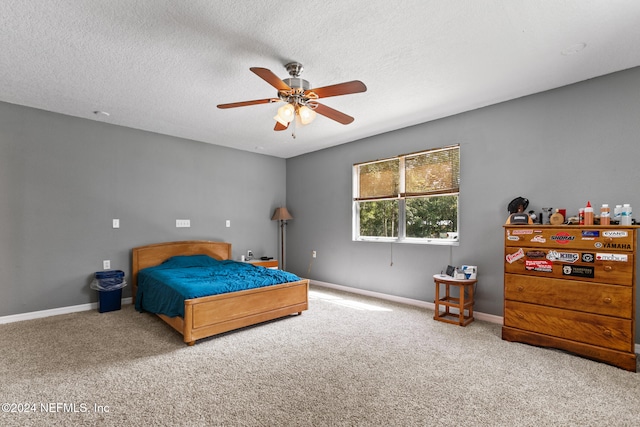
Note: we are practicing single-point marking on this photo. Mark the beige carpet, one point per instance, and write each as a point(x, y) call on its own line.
point(347, 361)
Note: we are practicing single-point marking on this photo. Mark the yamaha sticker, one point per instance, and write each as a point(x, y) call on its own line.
point(578, 271)
point(624, 246)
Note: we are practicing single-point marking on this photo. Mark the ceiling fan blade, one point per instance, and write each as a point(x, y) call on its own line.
point(270, 78)
point(333, 114)
point(247, 103)
point(346, 88)
point(280, 126)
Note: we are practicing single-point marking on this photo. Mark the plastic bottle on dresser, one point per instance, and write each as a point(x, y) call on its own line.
point(588, 214)
point(617, 211)
point(626, 214)
point(581, 216)
point(605, 215)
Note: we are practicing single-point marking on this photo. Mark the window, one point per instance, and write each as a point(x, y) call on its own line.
point(411, 198)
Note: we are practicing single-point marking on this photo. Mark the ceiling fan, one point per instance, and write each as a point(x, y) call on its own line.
point(299, 98)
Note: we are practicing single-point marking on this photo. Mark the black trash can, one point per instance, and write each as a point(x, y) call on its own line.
point(109, 284)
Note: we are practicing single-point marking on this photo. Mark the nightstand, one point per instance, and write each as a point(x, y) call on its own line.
point(270, 263)
point(448, 301)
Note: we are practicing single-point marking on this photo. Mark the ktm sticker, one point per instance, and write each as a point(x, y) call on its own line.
point(578, 271)
point(515, 256)
point(539, 265)
point(612, 257)
point(563, 256)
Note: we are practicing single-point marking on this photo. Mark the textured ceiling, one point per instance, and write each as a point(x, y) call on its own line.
point(164, 65)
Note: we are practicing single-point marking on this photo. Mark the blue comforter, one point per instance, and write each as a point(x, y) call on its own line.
point(163, 288)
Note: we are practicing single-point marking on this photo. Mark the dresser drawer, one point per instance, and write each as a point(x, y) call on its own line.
point(572, 237)
point(610, 300)
point(603, 331)
point(591, 266)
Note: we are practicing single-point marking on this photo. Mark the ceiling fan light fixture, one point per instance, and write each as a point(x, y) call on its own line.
point(286, 113)
point(307, 115)
point(300, 100)
point(279, 120)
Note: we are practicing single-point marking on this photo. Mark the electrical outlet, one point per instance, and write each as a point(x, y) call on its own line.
point(106, 264)
point(313, 254)
point(116, 223)
point(183, 223)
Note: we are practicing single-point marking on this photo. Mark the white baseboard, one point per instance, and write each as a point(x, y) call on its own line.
point(491, 318)
point(53, 312)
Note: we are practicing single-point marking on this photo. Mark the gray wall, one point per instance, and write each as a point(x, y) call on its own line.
point(559, 148)
point(63, 180)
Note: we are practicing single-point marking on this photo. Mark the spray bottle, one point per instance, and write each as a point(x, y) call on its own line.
point(588, 214)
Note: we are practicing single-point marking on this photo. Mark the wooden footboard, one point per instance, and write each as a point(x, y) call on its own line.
point(216, 314)
point(212, 315)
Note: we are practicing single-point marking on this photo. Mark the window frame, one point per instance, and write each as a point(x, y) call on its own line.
point(402, 197)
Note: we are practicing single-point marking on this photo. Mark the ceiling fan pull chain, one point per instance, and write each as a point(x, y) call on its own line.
point(293, 128)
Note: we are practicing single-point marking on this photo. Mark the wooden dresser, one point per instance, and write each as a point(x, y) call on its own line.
point(572, 288)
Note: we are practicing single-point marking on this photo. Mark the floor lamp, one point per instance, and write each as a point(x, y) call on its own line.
point(282, 215)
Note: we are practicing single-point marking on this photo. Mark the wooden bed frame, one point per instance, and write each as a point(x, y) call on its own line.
point(207, 316)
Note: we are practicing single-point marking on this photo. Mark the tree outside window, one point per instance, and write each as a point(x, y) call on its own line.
point(409, 198)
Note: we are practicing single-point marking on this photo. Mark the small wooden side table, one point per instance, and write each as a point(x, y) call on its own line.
point(461, 302)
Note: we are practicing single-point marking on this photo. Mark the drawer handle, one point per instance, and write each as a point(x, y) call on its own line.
point(608, 268)
point(607, 300)
point(608, 239)
point(607, 333)
point(520, 315)
point(520, 288)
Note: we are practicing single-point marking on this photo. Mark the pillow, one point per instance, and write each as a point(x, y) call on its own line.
point(186, 261)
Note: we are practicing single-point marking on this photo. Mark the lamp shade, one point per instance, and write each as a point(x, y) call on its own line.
point(306, 114)
point(281, 214)
point(286, 113)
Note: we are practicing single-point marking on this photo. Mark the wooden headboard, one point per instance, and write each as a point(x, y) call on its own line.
point(150, 255)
